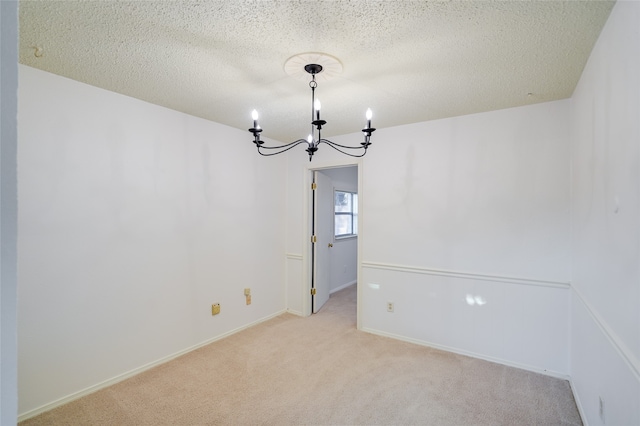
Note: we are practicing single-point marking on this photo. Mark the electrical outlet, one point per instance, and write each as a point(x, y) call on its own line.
point(389, 306)
point(601, 409)
point(248, 298)
point(215, 309)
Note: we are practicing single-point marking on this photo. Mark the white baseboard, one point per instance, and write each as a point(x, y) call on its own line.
point(551, 373)
point(135, 371)
point(342, 287)
point(583, 417)
point(294, 312)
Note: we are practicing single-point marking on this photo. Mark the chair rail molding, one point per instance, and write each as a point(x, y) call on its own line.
point(625, 353)
point(466, 275)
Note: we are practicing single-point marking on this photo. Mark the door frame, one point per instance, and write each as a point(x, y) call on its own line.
point(306, 234)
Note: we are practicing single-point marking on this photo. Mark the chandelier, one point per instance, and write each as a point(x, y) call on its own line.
point(315, 137)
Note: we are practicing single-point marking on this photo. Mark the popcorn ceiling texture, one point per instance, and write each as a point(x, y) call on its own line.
point(409, 61)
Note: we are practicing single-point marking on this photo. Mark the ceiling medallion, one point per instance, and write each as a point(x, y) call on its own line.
point(321, 67)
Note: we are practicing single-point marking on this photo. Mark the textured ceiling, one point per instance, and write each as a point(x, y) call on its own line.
point(409, 61)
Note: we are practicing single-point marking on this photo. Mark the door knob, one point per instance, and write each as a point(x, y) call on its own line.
point(330, 245)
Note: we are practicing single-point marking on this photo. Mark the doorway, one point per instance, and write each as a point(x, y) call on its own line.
point(333, 221)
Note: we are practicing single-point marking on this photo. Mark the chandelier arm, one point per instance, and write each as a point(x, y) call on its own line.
point(335, 146)
point(286, 147)
point(290, 144)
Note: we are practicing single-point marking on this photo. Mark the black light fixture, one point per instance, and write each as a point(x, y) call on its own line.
point(315, 137)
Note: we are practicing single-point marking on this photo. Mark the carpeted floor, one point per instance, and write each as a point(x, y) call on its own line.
point(322, 371)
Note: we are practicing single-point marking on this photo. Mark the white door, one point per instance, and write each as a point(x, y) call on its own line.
point(323, 232)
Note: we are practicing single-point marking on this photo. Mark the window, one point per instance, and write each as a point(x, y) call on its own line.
point(346, 214)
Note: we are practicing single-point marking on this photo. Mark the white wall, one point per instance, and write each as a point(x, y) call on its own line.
point(605, 337)
point(343, 178)
point(344, 254)
point(133, 220)
point(467, 209)
point(8, 211)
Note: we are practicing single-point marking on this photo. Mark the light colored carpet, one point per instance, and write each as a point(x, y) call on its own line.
point(322, 371)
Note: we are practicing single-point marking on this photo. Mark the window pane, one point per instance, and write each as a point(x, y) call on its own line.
point(343, 224)
point(343, 201)
point(346, 210)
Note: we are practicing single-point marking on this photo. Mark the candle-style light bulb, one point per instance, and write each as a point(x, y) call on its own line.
point(254, 115)
point(369, 115)
point(309, 138)
point(317, 106)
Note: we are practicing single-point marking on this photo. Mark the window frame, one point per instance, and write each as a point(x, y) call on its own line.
point(350, 213)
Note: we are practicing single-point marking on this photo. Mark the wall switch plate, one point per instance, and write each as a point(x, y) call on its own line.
point(389, 306)
point(247, 292)
point(215, 309)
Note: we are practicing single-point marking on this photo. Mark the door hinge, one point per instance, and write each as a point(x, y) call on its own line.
point(314, 186)
point(314, 239)
point(313, 291)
